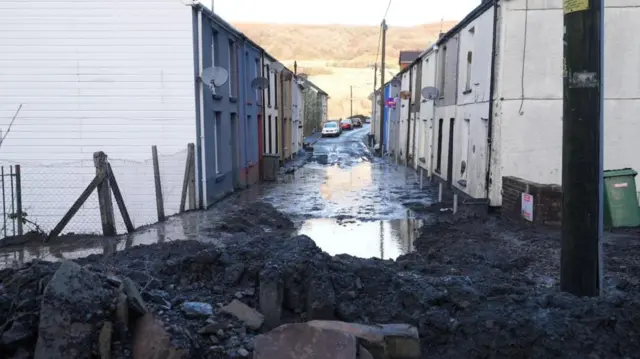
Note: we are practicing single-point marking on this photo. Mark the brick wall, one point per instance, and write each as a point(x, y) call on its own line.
point(547, 201)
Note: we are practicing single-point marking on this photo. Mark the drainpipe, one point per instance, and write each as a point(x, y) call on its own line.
point(201, 119)
point(491, 96)
point(243, 76)
point(433, 116)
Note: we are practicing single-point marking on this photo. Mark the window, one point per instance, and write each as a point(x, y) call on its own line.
point(268, 73)
point(233, 70)
point(276, 151)
point(442, 71)
point(275, 89)
point(214, 55)
point(217, 135)
point(439, 154)
point(214, 49)
point(467, 86)
point(256, 73)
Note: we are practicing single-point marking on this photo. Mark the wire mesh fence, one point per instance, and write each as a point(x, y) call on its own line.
point(50, 190)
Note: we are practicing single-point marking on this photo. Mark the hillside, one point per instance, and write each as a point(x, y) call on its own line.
point(338, 56)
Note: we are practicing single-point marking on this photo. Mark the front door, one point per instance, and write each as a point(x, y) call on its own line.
point(450, 157)
point(234, 151)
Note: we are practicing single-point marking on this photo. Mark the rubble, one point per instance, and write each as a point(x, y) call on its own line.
point(470, 291)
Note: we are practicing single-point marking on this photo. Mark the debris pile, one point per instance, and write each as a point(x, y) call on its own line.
point(187, 299)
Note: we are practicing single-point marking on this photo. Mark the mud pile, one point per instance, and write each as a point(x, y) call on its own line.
point(206, 301)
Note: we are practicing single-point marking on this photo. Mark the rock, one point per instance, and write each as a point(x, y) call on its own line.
point(122, 308)
point(197, 309)
point(151, 340)
point(233, 273)
point(136, 303)
point(363, 353)
point(21, 353)
point(321, 297)
point(393, 341)
point(71, 295)
point(214, 339)
point(302, 341)
point(158, 297)
point(21, 330)
point(104, 341)
point(270, 299)
point(251, 317)
point(211, 328)
point(243, 352)
point(208, 256)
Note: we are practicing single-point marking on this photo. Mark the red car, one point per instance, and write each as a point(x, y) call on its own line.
point(346, 124)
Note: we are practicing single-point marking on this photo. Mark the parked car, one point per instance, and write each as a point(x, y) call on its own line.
point(331, 129)
point(357, 122)
point(346, 124)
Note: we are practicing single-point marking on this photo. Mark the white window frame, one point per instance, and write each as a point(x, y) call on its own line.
point(214, 41)
point(217, 116)
point(467, 86)
point(233, 68)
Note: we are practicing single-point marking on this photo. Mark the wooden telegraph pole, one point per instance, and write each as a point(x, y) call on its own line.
point(582, 181)
point(382, 69)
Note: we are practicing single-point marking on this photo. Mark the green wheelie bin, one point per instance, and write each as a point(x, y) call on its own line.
point(621, 199)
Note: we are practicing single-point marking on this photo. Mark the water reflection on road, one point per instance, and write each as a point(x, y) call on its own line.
point(344, 198)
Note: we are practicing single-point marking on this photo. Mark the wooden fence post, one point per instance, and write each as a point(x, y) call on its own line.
point(19, 199)
point(156, 177)
point(189, 182)
point(104, 195)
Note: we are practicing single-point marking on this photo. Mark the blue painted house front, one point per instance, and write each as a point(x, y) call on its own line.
point(251, 99)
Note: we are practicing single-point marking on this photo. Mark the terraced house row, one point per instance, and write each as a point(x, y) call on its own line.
point(122, 76)
point(497, 113)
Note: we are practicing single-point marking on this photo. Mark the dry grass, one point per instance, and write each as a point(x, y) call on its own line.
point(336, 56)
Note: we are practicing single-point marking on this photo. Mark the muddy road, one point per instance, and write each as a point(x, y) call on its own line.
point(337, 190)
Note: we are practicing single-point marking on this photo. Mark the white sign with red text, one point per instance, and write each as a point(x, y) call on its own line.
point(527, 207)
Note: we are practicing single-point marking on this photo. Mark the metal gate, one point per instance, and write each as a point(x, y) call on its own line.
point(10, 181)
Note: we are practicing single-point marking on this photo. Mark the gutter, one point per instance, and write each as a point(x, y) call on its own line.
point(487, 183)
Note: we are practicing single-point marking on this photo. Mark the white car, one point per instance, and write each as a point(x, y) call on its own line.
point(330, 129)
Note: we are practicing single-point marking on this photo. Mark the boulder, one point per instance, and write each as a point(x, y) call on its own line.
point(384, 341)
point(73, 304)
point(302, 341)
point(251, 317)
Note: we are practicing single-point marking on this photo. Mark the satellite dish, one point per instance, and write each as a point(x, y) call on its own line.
point(276, 66)
point(430, 93)
point(214, 76)
point(260, 83)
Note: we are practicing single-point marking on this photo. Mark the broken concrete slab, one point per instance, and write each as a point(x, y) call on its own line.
point(151, 340)
point(271, 298)
point(302, 341)
point(104, 340)
point(392, 341)
point(72, 305)
point(136, 303)
point(251, 317)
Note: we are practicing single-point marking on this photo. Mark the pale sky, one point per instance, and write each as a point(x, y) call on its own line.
point(346, 12)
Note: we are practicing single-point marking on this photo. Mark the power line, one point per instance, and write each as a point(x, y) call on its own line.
point(387, 11)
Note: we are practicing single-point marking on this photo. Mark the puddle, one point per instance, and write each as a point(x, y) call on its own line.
point(386, 239)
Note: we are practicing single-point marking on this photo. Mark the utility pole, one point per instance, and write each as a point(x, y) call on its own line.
point(351, 100)
point(375, 84)
point(382, 69)
point(582, 141)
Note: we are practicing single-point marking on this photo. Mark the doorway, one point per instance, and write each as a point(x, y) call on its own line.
point(234, 151)
point(439, 154)
point(260, 144)
point(450, 156)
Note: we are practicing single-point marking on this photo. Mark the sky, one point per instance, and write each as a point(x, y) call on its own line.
point(345, 12)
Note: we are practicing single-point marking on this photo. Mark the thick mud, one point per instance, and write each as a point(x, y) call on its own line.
point(475, 288)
